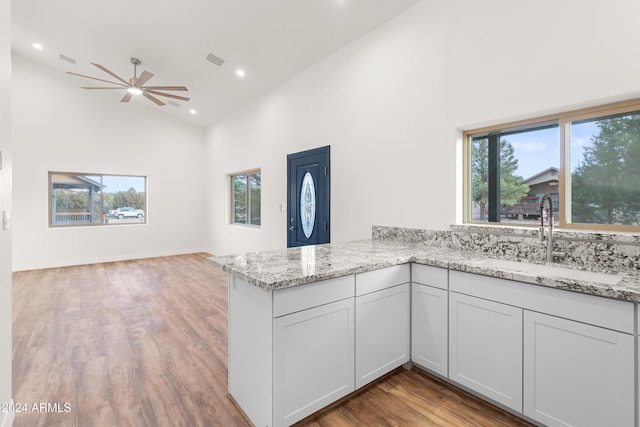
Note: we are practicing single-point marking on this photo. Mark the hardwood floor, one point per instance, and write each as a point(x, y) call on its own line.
point(144, 343)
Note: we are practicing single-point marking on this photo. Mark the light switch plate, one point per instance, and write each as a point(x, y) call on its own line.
point(6, 219)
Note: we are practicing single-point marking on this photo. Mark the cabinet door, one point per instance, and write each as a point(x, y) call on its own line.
point(577, 374)
point(313, 360)
point(485, 348)
point(382, 332)
point(429, 310)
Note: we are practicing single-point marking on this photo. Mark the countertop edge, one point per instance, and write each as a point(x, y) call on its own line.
point(627, 289)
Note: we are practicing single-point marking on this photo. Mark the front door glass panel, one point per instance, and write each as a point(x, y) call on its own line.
point(308, 204)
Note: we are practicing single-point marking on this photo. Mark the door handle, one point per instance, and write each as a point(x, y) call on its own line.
point(292, 228)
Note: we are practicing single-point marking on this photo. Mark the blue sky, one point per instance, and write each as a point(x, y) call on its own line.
point(113, 184)
point(539, 150)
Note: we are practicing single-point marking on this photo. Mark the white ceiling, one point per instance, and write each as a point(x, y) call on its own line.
point(272, 40)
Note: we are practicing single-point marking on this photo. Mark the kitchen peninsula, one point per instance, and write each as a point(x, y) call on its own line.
point(310, 325)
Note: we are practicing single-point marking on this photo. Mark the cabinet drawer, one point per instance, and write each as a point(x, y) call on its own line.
point(376, 280)
point(594, 310)
point(297, 298)
point(431, 276)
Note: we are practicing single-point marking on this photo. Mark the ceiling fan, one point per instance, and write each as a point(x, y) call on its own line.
point(135, 85)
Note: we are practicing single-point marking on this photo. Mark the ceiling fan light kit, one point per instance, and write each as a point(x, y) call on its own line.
point(135, 85)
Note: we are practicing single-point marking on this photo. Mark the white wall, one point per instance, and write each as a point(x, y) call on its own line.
point(59, 127)
point(5, 204)
point(392, 105)
point(369, 102)
point(517, 59)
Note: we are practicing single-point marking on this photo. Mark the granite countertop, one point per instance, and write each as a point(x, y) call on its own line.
point(283, 268)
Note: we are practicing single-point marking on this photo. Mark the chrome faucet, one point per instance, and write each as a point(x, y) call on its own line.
point(548, 241)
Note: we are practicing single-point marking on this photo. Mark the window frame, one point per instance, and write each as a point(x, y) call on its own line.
point(52, 224)
point(246, 174)
point(564, 120)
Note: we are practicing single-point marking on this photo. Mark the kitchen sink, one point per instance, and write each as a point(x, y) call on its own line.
point(547, 270)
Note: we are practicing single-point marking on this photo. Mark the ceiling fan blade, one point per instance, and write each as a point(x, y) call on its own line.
point(111, 73)
point(153, 98)
point(168, 95)
point(144, 77)
point(127, 96)
point(181, 88)
point(95, 78)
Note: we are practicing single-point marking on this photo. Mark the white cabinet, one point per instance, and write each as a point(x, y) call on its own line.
point(429, 318)
point(577, 374)
point(313, 359)
point(382, 322)
point(485, 348)
point(561, 358)
point(572, 354)
point(291, 351)
point(382, 338)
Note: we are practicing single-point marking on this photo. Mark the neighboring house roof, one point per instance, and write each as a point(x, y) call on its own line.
point(75, 181)
point(550, 174)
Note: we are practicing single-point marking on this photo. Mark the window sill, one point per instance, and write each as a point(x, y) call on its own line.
point(247, 226)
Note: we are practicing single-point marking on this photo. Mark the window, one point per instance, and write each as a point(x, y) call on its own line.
point(245, 198)
point(80, 199)
point(587, 160)
point(510, 170)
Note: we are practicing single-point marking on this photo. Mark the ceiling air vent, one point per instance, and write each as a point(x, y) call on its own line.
point(215, 59)
point(68, 59)
point(173, 103)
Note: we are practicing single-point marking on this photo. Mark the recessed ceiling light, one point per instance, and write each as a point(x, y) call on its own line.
point(193, 111)
point(37, 46)
point(240, 72)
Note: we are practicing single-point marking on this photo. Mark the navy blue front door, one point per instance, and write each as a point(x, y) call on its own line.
point(308, 197)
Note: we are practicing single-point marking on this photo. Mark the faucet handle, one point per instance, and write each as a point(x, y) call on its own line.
point(541, 234)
